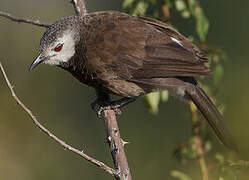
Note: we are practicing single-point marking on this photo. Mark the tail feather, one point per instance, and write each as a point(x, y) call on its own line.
point(212, 115)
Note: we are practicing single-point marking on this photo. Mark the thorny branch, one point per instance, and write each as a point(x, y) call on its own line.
point(62, 143)
point(23, 20)
point(116, 144)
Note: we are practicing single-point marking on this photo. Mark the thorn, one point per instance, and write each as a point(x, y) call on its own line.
point(124, 142)
point(109, 138)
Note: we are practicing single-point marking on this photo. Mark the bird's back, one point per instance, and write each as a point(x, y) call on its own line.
point(118, 46)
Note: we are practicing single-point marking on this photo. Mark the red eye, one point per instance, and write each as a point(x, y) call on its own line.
point(58, 48)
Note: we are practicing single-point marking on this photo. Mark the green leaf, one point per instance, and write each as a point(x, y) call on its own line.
point(140, 9)
point(220, 158)
point(218, 74)
point(202, 24)
point(180, 5)
point(180, 175)
point(164, 96)
point(191, 5)
point(186, 14)
point(207, 146)
point(127, 3)
point(152, 100)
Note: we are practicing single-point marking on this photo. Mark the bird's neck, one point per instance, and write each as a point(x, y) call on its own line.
point(77, 67)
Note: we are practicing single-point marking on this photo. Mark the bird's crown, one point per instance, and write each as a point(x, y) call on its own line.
point(58, 43)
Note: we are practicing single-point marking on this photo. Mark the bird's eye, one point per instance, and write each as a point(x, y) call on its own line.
point(58, 48)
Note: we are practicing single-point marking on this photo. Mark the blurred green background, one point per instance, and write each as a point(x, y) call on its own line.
point(62, 104)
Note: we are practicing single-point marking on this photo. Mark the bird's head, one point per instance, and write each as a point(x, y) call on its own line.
point(58, 43)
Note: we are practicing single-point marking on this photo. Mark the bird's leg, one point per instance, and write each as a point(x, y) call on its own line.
point(122, 102)
point(99, 105)
point(103, 102)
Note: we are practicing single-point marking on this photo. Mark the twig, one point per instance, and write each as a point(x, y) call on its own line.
point(116, 145)
point(62, 143)
point(200, 154)
point(115, 142)
point(199, 142)
point(23, 20)
point(79, 7)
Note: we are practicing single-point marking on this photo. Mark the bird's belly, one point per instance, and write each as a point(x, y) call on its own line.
point(123, 88)
point(111, 85)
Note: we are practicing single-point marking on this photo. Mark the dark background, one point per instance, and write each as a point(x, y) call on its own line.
point(62, 104)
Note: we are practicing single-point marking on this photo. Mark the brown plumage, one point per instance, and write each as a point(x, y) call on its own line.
point(130, 56)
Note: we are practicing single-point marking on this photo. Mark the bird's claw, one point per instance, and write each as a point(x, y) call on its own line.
point(100, 107)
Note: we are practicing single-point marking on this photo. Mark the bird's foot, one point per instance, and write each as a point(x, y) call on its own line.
point(100, 106)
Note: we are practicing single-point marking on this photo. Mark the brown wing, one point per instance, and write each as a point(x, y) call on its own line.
point(138, 48)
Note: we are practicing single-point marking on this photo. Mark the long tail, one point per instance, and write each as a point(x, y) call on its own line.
point(212, 115)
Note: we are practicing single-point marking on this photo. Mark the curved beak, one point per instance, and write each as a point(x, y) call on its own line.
point(37, 61)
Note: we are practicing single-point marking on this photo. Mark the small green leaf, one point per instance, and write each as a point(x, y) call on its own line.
point(222, 108)
point(207, 146)
point(127, 3)
point(202, 24)
point(215, 58)
point(191, 5)
point(186, 14)
point(180, 175)
point(193, 107)
point(152, 100)
point(165, 96)
point(140, 9)
point(180, 5)
point(220, 158)
point(218, 74)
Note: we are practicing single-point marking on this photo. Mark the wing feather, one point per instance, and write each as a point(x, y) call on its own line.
point(139, 48)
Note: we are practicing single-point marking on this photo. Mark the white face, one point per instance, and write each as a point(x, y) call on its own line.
point(60, 51)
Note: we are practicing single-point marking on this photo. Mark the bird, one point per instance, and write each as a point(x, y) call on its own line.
point(129, 56)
